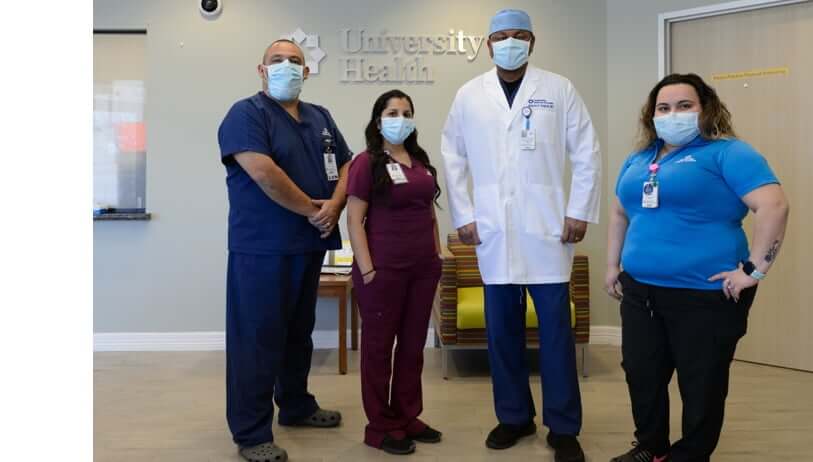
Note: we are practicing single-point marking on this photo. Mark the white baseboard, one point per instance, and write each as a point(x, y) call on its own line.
point(215, 341)
point(330, 339)
point(605, 335)
point(187, 341)
point(160, 341)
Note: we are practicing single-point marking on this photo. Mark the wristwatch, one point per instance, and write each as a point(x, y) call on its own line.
point(750, 269)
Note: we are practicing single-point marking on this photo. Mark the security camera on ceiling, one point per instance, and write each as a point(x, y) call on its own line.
point(210, 8)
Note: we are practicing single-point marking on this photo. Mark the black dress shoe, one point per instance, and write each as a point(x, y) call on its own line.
point(399, 447)
point(506, 435)
point(428, 435)
point(566, 448)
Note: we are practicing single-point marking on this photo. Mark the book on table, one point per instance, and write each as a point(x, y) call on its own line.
point(338, 261)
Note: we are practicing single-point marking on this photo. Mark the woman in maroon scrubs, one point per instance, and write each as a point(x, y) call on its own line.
point(392, 188)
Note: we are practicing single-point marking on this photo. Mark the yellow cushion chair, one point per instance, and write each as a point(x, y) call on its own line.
point(471, 315)
point(458, 315)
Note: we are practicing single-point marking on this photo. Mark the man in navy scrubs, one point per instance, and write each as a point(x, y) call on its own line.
point(286, 165)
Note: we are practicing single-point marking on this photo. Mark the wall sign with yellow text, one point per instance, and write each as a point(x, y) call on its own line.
point(770, 72)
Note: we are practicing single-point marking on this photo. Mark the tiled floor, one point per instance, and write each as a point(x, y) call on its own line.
point(170, 407)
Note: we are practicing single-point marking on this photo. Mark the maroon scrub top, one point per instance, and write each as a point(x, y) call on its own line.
point(400, 226)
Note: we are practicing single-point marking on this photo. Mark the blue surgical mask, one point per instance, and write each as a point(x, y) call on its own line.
point(677, 128)
point(511, 53)
point(396, 129)
point(284, 80)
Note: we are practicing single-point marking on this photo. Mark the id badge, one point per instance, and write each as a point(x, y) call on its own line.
point(650, 197)
point(330, 167)
point(527, 140)
point(396, 174)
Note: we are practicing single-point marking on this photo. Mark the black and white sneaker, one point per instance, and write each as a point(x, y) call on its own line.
point(639, 454)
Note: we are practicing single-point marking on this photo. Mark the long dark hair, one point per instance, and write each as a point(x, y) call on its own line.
point(375, 146)
point(714, 121)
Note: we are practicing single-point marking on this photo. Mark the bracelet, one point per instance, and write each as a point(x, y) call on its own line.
point(368, 272)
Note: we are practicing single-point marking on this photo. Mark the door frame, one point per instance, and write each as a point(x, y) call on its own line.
point(665, 21)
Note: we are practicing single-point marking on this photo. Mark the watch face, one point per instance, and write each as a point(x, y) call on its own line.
point(748, 267)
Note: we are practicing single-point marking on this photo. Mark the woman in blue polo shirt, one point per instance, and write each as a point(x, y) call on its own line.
point(688, 276)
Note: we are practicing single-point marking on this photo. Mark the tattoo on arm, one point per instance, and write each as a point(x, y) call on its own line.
point(771, 255)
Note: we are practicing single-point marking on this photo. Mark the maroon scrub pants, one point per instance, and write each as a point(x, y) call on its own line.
point(395, 308)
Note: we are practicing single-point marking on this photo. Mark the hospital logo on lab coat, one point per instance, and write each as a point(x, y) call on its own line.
point(542, 104)
point(310, 46)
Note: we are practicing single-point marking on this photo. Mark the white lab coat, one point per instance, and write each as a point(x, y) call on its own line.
point(519, 196)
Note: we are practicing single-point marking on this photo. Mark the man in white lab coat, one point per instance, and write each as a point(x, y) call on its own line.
point(512, 129)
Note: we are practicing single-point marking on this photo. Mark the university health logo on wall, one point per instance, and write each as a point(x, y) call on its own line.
point(384, 57)
point(310, 46)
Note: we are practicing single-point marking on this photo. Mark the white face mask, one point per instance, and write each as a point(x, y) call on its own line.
point(510, 53)
point(284, 80)
point(396, 129)
point(677, 128)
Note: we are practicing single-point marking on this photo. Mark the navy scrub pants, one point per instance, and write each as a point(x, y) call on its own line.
point(270, 315)
point(505, 329)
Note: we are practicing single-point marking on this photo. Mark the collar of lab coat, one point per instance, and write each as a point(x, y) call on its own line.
point(527, 88)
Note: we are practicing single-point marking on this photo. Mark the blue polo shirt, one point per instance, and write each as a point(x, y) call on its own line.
point(696, 231)
point(257, 224)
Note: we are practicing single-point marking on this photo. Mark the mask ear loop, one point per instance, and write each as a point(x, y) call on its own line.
point(385, 151)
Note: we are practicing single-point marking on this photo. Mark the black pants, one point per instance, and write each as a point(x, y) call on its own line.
point(694, 332)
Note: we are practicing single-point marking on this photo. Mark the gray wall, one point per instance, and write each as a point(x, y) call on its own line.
point(168, 274)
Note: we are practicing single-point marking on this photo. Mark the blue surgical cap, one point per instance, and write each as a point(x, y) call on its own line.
point(510, 19)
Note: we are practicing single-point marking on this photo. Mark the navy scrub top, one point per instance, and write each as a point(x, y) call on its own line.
point(257, 224)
